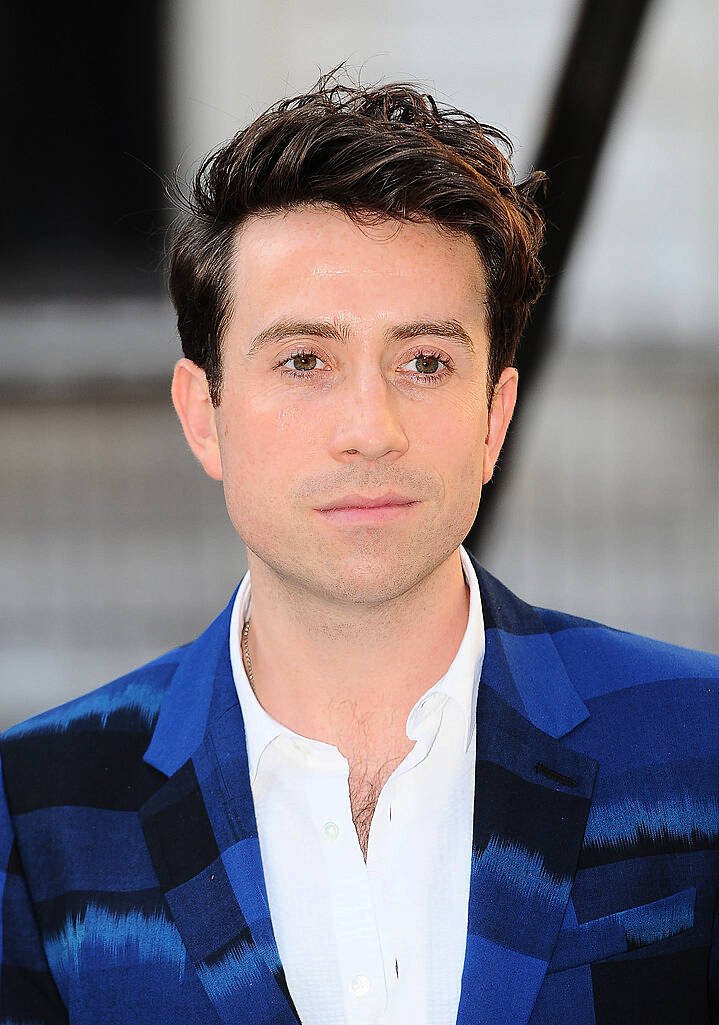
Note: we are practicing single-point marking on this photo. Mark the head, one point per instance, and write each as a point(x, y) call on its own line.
point(351, 280)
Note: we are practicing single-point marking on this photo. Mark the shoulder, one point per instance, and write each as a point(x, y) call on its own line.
point(650, 703)
point(601, 659)
point(598, 658)
point(88, 751)
point(130, 700)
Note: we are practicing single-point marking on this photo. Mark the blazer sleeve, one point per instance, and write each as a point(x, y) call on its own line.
point(28, 993)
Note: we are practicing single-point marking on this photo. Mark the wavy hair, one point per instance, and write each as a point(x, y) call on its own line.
point(383, 152)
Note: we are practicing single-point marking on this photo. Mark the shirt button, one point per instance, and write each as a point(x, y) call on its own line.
point(360, 986)
point(331, 830)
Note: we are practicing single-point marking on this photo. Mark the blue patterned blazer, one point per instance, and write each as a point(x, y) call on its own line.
point(131, 875)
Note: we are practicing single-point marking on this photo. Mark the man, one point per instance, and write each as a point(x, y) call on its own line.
point(379, 788)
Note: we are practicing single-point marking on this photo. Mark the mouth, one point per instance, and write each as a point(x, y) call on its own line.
point(367, 514)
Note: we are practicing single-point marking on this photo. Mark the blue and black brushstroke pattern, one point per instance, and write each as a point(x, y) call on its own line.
point(641, 825)
point(101, 938)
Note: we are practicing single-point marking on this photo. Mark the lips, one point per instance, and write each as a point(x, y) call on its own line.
point(356, 501)
point(368, 516)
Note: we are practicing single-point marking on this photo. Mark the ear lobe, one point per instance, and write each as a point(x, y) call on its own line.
point(499, 416)
point(193, 405)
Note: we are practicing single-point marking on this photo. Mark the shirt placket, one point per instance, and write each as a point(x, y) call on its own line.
point(388, 865)
point(359, 952)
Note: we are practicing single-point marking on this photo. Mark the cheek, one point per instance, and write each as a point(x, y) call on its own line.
point(259, 428)
point(263, 447)
point(456, 433)
point(457, 453)
point(267, 452)
point(293, 424)
point(273, 416)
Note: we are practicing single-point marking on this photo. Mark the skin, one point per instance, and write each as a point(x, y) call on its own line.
point(350, 624)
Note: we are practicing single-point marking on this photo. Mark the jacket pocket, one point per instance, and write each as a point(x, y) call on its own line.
point(624, 931)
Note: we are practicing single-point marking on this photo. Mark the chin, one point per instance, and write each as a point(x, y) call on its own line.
point(379, 576)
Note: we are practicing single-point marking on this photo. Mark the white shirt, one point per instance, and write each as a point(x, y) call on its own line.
point(380, 943)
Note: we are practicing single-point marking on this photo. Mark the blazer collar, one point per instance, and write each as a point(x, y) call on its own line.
point(201, 830)
point(198, 695)
point(525, 668)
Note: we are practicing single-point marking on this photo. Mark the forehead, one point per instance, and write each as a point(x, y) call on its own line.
point(316, 260)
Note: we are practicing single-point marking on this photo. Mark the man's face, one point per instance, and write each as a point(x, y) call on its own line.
point(390, 397)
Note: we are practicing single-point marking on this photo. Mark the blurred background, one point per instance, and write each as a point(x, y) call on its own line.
point(114, 545)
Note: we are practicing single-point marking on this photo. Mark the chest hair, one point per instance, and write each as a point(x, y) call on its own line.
point(365, 786)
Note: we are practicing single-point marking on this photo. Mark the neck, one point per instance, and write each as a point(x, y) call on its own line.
point(349, 674)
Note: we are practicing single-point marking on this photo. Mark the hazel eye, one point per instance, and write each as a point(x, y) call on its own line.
point(304, 358)
point(304, 364)
point(435, 367)
point(426, 358)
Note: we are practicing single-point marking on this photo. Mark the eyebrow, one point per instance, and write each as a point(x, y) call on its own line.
point(291, 327)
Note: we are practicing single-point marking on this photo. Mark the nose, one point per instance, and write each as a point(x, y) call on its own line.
point(367, 419)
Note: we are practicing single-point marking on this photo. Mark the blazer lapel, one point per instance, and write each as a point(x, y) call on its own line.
point(532, 796)
point(201, 833)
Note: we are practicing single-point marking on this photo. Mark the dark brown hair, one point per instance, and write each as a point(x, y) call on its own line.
point(384, 152)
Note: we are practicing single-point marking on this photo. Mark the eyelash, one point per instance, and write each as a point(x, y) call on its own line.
point(431, 379)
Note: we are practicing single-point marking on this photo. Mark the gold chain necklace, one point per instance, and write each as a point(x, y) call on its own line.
point(246, 653)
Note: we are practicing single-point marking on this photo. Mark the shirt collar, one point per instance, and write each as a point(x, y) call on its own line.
point(260, 728)
point(459, 683)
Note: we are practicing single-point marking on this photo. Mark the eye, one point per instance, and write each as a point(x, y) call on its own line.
point(428, 360)
point(304, 363)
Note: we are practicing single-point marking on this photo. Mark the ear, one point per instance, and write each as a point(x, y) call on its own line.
point(193, 405)
point(500, 414)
